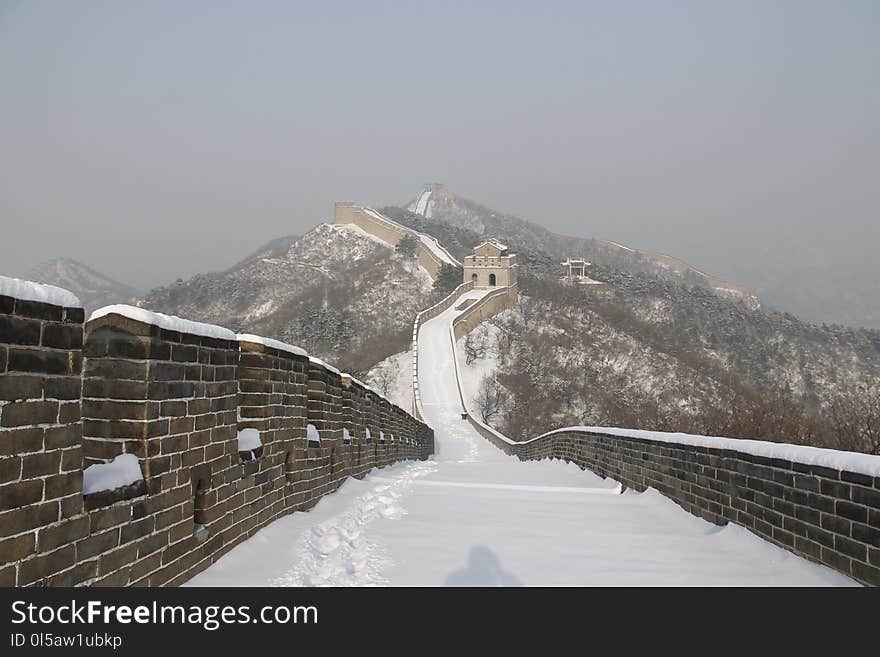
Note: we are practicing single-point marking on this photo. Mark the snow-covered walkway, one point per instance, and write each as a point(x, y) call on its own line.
point(475, 516)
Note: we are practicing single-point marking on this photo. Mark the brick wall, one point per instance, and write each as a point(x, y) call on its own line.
point(420, 319)
point(40, 445)
point(176, 401)
point(388, 231)
point(827, 515)
point(494, 302)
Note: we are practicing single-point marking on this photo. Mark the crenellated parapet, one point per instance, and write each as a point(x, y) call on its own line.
point(137, 448)
point(821, 504)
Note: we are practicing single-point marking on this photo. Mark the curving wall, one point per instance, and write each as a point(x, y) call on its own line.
point(821, 504)
point(431, 254)
point(420, 319)
point(174, 403)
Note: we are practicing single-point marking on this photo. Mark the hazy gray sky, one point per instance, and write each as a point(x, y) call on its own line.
point(154, 140)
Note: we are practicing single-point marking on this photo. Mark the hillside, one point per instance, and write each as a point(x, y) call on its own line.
point(663, 346)
point(438, 205)
point(667, 357)
point(93, 288)
point(336, 291)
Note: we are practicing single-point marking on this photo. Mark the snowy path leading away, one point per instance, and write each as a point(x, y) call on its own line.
point(475, 516)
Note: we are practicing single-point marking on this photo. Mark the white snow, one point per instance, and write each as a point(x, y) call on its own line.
point(168, 322)
point(346, 436)
point(367, 434)
point(828, 458)
point(30, 291)
point(625, 248)
point(472, 515)
point(422, 202)
point(401, 390)
point(312, 433)
point(436, 249)
point(472, 375)
point(121, 471)
point(272, 344)
point(327, 366)
point(367, 386)
point(432, 244)
point(248, 440)
point(260, 311)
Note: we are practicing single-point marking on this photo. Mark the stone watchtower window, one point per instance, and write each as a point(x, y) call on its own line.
point(492, 279)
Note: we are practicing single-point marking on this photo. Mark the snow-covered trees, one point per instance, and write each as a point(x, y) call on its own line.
point(407, 246)
point(855, 415)
point(476, 344)
point(490, 399)
point(384, 376)
point(449, 278)
point(662, 359)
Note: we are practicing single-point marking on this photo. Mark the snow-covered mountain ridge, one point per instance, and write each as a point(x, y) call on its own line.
point(93, 288)
point(439, 204)
point(337, 291)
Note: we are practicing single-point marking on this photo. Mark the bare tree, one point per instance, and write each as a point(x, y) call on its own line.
point(490, 399)
point(855, 416)
point(384, 375)
point(476, 344)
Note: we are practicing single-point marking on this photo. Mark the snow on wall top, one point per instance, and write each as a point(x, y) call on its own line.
point(431, 243)
point(168, 322)
point(121, 471)
point(866, 464)
point(436, 249)
point(312, 433)
point(327, 366)
point(31, 291)
point(272, 344)
point(367, 386)
point(249, 439)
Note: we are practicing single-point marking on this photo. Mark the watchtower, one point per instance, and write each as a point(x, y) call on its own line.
point(491, 265)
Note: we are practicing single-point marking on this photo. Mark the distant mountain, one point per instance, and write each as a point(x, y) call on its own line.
point(438, 205)
point(336, 291)
point(93, 288)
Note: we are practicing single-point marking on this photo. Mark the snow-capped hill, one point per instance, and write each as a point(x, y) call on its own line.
point(336, 291)
point(93, 288)
point(438, 204)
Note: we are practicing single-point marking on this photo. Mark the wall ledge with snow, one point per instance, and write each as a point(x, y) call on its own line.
point(821, 504)
point(23, 290)
point(138, 447)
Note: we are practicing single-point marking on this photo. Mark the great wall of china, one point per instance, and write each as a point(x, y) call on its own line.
point(179, 396)
point(74, 394)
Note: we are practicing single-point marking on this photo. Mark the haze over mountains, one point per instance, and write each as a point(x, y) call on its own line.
point(817, 291)
point(820, 292)
point(93, 288)
point(663, 345)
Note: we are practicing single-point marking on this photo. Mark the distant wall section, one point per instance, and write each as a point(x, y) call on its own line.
point(376, 224)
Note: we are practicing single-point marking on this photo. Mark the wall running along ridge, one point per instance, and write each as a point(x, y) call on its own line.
point(176, 401)
point(390, 231)
point(420, 319)
point(823, 505)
